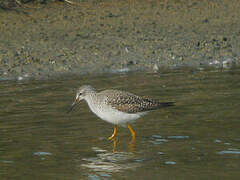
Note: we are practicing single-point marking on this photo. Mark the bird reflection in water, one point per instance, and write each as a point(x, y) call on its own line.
point(131, 145)
point(111, 162)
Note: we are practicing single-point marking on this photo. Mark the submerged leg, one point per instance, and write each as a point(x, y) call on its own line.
point(132, 132)
point(114, 133)
point(114, 145)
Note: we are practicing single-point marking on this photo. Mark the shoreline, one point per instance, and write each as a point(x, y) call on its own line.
point(47, 40)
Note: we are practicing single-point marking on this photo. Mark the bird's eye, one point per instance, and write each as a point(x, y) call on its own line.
point(80, 94)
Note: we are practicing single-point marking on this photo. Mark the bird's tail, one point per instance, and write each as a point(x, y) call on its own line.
point(166, 104)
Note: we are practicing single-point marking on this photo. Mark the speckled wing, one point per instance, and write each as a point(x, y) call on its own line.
point(130, 103)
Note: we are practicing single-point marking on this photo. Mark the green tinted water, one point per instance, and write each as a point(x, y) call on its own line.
point(199, 138)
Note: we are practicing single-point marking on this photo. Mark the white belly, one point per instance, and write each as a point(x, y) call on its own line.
point(119, 118)
point(114, 116)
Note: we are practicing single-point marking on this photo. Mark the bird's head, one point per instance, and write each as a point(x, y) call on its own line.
point(81, 94)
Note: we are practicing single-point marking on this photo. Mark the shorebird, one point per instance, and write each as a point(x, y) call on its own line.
point(117, 107)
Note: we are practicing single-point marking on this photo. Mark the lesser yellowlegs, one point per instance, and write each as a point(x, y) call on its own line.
point(117, 107)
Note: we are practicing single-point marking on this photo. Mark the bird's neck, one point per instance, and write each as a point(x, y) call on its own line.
point(90, 98)
point(92, 102)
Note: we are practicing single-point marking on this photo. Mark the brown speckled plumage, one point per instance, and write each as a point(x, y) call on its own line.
point(130, 103)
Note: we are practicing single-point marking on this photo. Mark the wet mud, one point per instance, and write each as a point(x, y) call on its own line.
point(48, 38)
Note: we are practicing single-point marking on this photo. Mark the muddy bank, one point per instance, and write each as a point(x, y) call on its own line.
point(46, 39)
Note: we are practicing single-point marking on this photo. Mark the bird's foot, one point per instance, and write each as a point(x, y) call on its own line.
point(113, 136)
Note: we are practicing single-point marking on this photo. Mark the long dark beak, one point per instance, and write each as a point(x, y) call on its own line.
point(72, 106)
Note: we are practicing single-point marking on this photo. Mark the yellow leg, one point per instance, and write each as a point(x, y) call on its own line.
point(114, 145)
point(131, 146)
point(114, 133)
point(132, 132)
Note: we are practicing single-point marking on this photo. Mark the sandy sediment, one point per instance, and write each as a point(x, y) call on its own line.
point(54, 37)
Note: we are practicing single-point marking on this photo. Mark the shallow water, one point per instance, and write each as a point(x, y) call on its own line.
point(199, 138)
